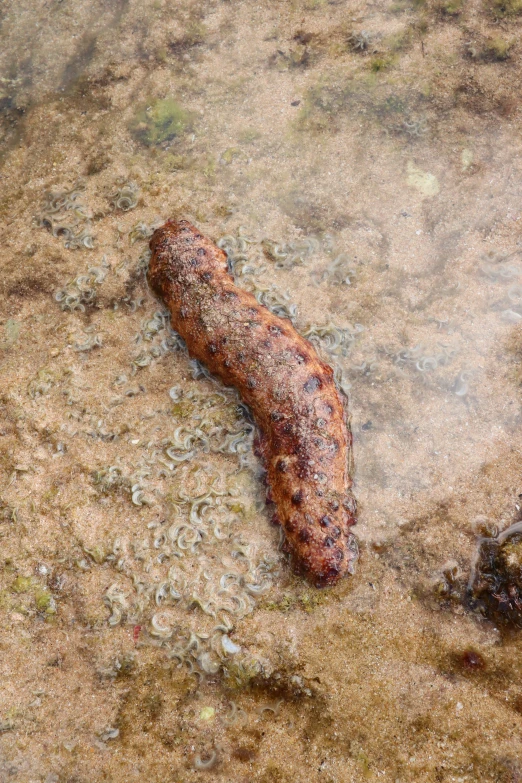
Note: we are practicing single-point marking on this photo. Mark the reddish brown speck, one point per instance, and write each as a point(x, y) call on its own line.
point(472, 661)
point(291, 524)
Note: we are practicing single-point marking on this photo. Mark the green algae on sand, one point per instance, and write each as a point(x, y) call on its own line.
point(162, 120)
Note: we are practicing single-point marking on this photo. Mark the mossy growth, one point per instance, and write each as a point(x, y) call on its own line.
point(22, 584)
point(496, 48)
point(43, 600)
point(503, 8)
point(379, 64)
point(231, 154)
point(161, 121)
point(45, 603)
point(401, 40)
point(182, 409)
point(161, 54)
point(451, 8)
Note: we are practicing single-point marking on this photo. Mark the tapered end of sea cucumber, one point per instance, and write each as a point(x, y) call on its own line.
point(332, 571)
point(326, 569)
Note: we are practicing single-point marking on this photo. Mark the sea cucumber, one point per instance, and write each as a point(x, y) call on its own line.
point(304, 439)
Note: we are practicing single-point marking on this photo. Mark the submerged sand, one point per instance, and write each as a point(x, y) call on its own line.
point(361, 165)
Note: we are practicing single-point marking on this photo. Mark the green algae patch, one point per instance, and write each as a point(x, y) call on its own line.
point(379, 64)
point(161, 121)
point(497, 49)
point(45, 603)
point(43, 600)
point(231, 154)
point(449, 8)
point(207, 713)
point(22, 584)
point(500, 9)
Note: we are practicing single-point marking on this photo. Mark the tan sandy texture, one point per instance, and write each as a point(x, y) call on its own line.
point(380, 144)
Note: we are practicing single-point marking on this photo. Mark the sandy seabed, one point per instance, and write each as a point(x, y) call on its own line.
point(360, 163)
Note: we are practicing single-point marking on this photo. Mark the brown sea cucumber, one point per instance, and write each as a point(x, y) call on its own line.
point(304, 440)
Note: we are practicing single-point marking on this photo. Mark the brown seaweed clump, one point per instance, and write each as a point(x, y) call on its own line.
point(496, 583)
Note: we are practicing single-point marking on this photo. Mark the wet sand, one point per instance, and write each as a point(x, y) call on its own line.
point(360, 163)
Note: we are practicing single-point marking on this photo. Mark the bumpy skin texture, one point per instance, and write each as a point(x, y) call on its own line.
point(304, 439)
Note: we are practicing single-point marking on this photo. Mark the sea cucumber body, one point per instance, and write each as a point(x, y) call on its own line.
point(304, 440)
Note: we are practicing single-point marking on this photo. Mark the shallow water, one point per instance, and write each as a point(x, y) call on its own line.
point(360, 163)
